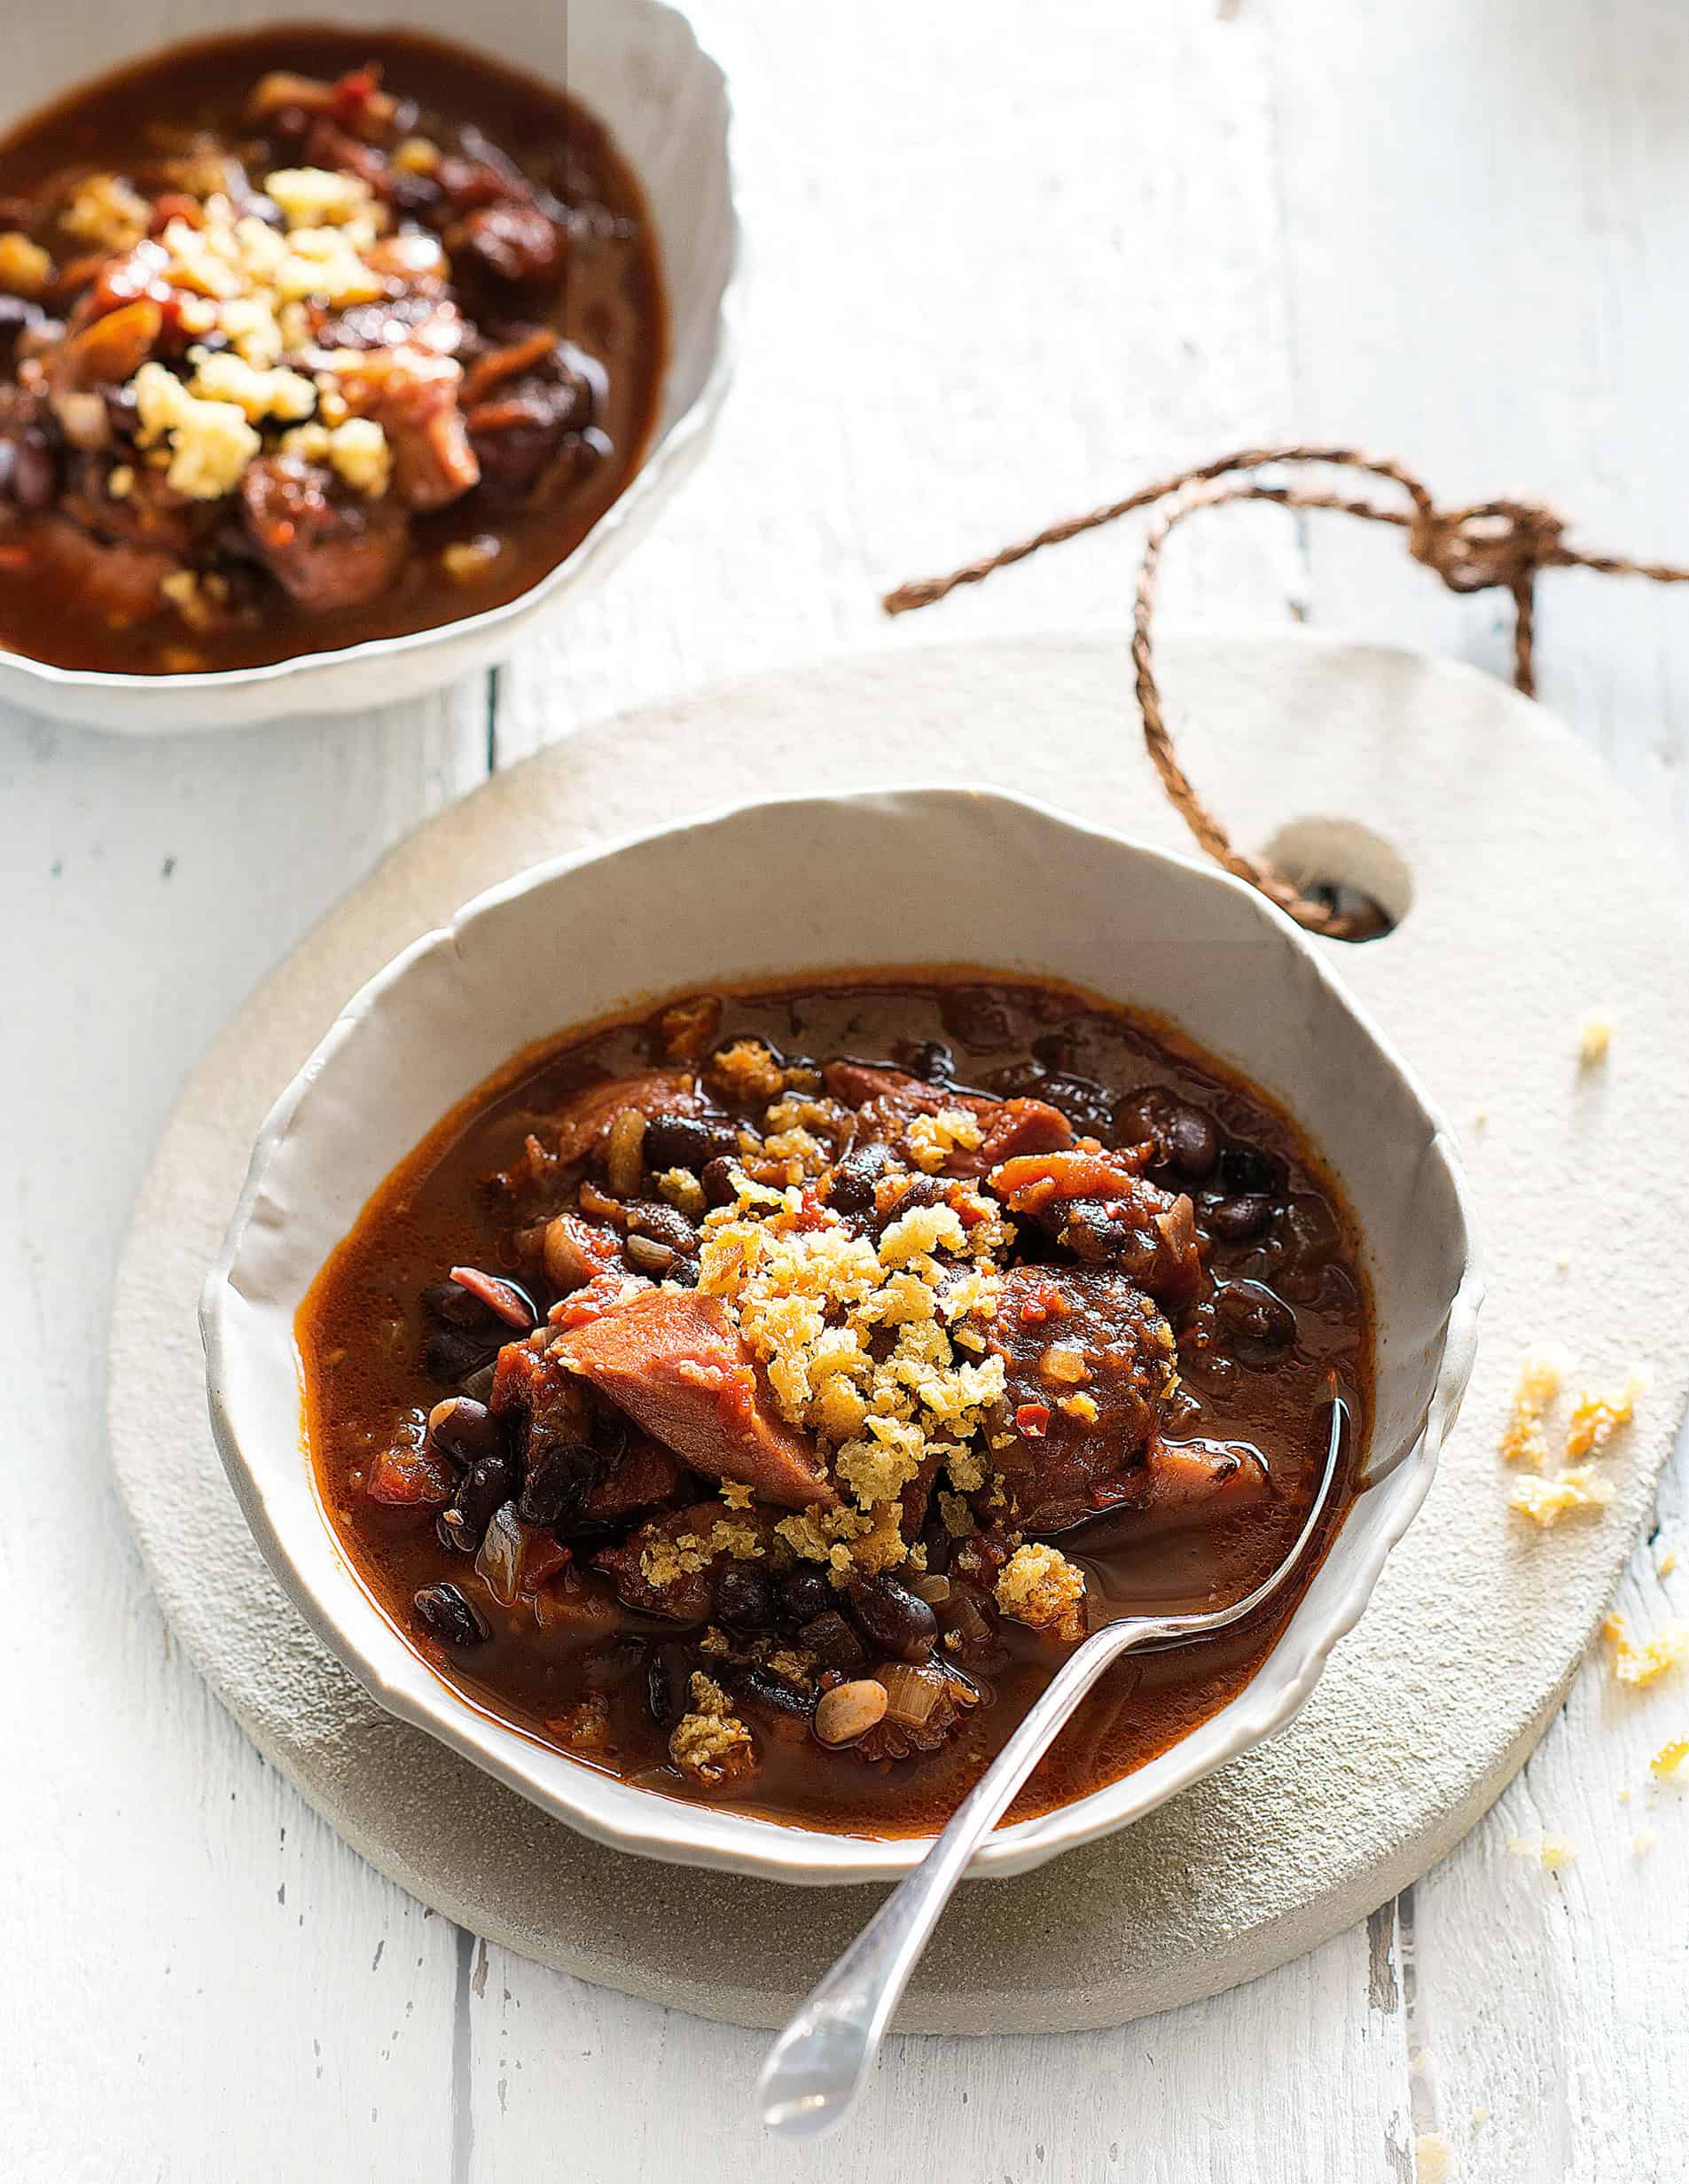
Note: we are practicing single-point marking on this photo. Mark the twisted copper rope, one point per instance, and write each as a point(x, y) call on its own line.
point(1496, 544)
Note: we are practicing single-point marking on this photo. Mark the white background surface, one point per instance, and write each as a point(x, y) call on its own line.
point(1007, 260)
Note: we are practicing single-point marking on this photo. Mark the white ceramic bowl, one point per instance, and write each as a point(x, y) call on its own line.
point(918, 875)
point(637, 65)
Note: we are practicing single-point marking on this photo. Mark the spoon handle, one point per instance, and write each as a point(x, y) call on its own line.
point(815, 2068)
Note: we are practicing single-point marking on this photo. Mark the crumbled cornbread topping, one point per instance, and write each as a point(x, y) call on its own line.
point(106, 214)
point(866, 1346)
point(667, 1558)
point(357, 450)
point(1645, 1663)
point(313, 197)
point(1668, 1763)
point(931, 1139)
point(586, 1726)
point(253, 280)
point(710, 1743)
point(221, 376)
point(210, 442)
point(1040, 1586)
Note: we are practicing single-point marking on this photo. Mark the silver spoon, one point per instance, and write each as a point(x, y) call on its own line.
point(815, 2069)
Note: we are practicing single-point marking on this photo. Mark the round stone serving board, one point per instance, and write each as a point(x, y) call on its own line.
point(1537, 896)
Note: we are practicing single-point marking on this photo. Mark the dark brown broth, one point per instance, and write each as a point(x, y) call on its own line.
point(361, 1332)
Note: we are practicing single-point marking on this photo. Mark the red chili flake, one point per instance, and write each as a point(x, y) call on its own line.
point(1032, 1420)
point(498, 1296)
point(407, 1478)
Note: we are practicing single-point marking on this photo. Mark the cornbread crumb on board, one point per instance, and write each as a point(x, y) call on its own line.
point(1541, 1374)
point(1544, 1502)
point(1638, 1665)
point(1668, 1763)
point(1595, 1419)
point(1432, 2158)
point(1552, 1852)
point(1578, 1488)
point(1594, 1036)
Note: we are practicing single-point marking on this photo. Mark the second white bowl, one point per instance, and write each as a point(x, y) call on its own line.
point(636, 64)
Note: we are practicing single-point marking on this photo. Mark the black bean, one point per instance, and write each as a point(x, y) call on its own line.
point(664, 1224)
point(486, 1483)
point(464, 1431)
point(927, 1059)
point(660, 1693)
point(453, 1306)
point(1088, 1106)
point(833, 1641)
point(456, 1354)
point(805, 1593)
point(974, 1016)
point(773, 1692)
point(34, 473)
point(1193, 1143)
point(720, 1180)
point(889, 1615)
point(1246, 1171)
point(743, 1599)
point(1141, 1117)
point(851, 1188)
point(688, 1141)
point(559, 1474)
point(1234, 1220)
point(1249, 1309)
point(444, 1611)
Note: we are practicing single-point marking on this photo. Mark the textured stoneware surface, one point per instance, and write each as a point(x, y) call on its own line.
point(1535, 894)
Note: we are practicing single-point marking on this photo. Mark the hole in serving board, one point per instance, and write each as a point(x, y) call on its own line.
point(1345, 865)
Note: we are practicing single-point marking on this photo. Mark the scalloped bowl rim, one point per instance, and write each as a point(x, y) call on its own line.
point(627, 1818)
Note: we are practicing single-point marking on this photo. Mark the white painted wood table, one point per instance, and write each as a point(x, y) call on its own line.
point(1007, 260)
